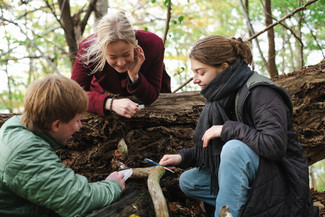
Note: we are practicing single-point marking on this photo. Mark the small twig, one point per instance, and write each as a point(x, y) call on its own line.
point(185, 83)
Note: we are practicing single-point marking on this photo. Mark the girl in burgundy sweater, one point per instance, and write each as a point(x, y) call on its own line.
point(119, 61)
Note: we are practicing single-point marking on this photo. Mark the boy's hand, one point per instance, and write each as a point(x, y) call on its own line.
point(119, 177)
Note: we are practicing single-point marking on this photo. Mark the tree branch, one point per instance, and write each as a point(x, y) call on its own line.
point(156, 193)
point(167, 20)
point(264, 30)
point(154, 175)
point(35, 45)
point(282, 19)
point(91, 8)
point(251, 30)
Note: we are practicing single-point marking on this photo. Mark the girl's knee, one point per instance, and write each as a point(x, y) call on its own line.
point(235, 152)
point(194, 180)
point(231, 149)
point(185, 183)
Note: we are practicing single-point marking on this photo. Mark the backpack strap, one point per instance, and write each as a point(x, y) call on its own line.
point(241, 96)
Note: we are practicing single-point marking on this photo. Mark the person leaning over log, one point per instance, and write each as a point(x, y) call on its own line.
point(256, 166)
point(33, 181)
point(119, 60)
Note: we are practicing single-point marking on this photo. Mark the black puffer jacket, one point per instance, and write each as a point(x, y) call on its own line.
point(261, 118)
point(281, 187)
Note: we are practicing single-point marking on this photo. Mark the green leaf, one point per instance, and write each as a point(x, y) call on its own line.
point(180, 19)
point(166, 2)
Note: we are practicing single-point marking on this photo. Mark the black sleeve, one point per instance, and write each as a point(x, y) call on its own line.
point(188, 159)
point(267, 134)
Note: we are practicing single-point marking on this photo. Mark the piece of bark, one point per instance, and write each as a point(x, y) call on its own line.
point(307, 91)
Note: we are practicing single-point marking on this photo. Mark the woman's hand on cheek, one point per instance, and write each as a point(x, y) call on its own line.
point(212, 133)
point(135, 66)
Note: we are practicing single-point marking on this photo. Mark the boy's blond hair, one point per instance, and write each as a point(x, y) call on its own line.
point(52, 98)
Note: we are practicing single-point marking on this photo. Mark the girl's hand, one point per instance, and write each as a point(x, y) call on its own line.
point(171, 159)
point(123, 107)
point(135, 66)
point(211, 133)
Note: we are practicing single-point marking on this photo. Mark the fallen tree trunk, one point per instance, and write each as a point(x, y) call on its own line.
point(307, 90)
point(168, 124)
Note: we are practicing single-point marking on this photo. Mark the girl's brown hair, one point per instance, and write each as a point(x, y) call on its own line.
point(52, 98)
point(214, 50)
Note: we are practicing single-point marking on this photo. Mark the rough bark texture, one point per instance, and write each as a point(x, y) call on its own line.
point(271, 65)
point(307, 90)
point(167, 126)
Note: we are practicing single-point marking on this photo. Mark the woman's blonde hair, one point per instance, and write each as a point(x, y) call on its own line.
point(214, 50)
point(113, 27)
point(52, 98)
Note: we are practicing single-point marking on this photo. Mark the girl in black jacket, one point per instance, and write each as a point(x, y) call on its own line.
point(246, 153)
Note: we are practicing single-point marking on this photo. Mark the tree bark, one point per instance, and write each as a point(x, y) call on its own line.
point(271, 66)
point(167, 125)
point(250, 28)
point(307, 90)
point(74, 26)
point(69, 29)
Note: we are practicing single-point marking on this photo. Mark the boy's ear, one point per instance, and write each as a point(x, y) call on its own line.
point(55, 125)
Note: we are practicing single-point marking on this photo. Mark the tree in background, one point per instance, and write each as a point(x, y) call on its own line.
point(44, 34)
point(271, 65)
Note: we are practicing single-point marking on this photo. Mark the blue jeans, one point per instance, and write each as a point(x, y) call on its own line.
point(237, 171)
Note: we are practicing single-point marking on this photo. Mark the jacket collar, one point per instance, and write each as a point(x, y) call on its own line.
point(55, 144)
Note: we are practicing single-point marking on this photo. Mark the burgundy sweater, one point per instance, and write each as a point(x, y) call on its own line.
point(153, 78)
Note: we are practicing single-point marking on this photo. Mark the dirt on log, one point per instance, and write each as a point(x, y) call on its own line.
point(166, 126)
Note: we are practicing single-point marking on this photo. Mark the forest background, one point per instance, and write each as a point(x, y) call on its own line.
point(40, 37)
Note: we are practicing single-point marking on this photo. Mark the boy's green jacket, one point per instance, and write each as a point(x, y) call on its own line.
point(34, 182)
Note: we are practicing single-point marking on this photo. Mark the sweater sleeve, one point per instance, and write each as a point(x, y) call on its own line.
point(81, 73)
point(151, 71)
point(269, 114)
point(36, 174)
